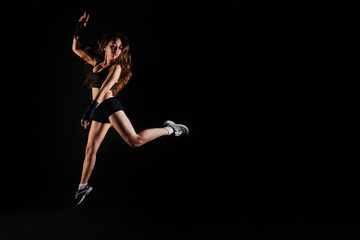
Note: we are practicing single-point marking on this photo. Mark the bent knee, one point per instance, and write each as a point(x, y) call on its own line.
point(135, 141)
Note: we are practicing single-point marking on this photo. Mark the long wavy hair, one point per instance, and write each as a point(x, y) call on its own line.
point(124, 59)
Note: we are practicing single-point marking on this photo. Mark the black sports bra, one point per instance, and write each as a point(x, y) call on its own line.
point(97, 79)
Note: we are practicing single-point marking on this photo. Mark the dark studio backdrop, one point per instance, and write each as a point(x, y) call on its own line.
point(269, 91)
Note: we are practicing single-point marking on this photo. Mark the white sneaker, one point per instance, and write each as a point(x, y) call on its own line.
point(81, 194)
point(179, 129)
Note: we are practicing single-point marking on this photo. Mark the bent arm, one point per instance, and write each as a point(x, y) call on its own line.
point(78, 50)
point(111, 79)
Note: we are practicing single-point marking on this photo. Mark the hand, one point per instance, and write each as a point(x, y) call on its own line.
point(86, 119)
point(84, 19)
point(81, 25)
point(85, 123)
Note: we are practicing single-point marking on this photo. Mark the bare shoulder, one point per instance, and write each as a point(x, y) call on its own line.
point(116, 67)
point(115, 70)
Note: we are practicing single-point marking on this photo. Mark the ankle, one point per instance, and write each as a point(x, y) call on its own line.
point(82, 186)
point(170, 130)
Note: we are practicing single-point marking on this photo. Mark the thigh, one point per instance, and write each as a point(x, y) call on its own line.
point(97, 134)
point(122, 125)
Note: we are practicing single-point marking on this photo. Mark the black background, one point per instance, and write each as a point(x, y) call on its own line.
point(268, 89)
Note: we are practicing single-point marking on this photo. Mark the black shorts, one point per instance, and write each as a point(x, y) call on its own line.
point(106, 109)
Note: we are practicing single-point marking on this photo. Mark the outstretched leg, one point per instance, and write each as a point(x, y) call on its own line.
point(123, 126)
point(96, 136)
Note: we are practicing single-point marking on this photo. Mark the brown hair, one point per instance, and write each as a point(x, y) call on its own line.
point(124, 59)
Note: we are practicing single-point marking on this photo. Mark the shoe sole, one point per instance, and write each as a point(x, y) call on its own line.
point(83, 197)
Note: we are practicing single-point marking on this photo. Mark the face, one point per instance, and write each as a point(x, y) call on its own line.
point(113, 49)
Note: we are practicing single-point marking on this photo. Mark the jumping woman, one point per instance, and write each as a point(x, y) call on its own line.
point(110, 70)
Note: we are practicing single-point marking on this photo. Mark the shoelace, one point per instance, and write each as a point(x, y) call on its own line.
point(78, 192)
point(177, 130)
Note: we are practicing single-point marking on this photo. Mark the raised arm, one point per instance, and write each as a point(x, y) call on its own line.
point(76, 46)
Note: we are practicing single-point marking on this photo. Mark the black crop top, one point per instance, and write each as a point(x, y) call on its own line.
point(97, 79)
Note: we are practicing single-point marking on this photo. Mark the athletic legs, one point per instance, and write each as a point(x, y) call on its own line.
point(123, 126)
point(96, 136)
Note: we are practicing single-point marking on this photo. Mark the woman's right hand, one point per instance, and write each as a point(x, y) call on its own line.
point(81, 25)
point(87, 117)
